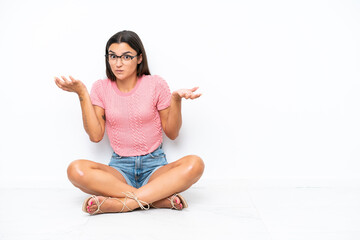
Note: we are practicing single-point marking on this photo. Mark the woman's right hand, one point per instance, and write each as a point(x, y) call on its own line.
point(71, 85)
point(93, 116)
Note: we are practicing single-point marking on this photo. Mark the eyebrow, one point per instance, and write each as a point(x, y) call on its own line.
point(121, 54)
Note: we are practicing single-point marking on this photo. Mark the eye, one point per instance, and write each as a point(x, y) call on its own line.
point(127, 57)
point(112, 56)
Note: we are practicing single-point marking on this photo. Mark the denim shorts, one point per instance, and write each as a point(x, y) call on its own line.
point(137, 170)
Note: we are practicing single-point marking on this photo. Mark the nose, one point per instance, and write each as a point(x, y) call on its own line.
point(118, 62)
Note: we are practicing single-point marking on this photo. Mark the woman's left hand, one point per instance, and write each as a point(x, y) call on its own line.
point(186, 93)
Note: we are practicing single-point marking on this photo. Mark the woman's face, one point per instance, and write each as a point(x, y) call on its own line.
point(126, 66)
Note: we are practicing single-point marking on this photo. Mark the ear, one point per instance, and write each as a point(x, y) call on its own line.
point(139, 59)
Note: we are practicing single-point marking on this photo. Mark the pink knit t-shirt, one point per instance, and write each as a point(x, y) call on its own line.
point(133, 122)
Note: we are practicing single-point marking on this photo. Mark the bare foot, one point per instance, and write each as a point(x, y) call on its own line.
point(165, 203)
point(108, 205)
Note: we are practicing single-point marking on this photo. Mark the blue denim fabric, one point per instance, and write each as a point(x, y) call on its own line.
point(138, 170)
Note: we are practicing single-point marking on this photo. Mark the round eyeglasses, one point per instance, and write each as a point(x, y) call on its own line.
point(125, 58)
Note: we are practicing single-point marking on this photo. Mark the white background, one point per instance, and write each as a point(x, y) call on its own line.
point(280, 84)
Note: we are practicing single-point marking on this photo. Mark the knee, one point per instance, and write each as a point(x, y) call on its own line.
point(75, 171)
point(195, 166)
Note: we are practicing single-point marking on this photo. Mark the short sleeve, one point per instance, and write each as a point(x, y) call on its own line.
point(163, 93)
point(96, 94)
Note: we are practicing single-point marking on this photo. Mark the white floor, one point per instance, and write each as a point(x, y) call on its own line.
point(217, 210)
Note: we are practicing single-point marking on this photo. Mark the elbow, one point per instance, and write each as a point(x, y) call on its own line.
point(95, 139)
point(173, 132)
point(95, 136)
point(173, 136)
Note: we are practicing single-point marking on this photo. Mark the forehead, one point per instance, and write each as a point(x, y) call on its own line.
point(120, 48)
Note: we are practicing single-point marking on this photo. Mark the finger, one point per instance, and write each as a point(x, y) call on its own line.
point(194, 89)
point(72, 79)
point(194, 96)
point(65, 80)
point(58, 84)
point(61, 84)
point(182, 94)
point(63, 88)
point(58, 80)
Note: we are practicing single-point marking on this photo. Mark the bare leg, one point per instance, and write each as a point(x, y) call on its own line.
point(167, 180)
point(172, 178)
point(189, 161)
point(102, 180)
point(97, 179)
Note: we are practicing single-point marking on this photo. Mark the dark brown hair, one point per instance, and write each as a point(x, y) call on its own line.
point(135, 43)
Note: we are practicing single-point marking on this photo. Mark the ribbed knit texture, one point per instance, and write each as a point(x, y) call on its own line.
point(133, 123)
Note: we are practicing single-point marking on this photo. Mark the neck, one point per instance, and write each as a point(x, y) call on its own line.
point(126, 85)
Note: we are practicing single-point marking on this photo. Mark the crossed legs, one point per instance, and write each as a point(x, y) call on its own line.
point(104, 181)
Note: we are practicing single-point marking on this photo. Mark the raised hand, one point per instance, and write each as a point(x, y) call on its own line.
point(71, 85)
point(186, 93)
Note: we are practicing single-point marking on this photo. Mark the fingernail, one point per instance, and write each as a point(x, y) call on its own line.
point(181, 206)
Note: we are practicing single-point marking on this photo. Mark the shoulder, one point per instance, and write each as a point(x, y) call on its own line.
point(153, 79)
point(101, 84)
point(154, 82)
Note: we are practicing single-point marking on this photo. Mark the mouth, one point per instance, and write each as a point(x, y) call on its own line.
point(119, 71)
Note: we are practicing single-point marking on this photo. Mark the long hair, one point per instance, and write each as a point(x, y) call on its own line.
point(135, 43)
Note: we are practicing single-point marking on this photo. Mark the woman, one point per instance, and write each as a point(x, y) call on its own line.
point(135, 107)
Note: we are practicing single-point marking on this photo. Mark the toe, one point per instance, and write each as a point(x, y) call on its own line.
point(91, 202)
point(92, 208)
point(178, 204)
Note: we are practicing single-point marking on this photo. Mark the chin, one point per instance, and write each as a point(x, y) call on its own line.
point(120, 76)
point(123, 75)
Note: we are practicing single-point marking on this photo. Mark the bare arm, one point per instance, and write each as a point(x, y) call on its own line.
point(171, 119)
point(93, 116)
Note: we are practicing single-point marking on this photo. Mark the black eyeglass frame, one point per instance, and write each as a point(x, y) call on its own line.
point(131, 57)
